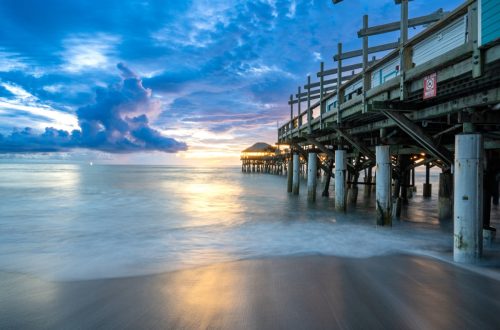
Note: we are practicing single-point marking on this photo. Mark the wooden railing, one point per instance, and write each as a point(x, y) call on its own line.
point(356, 80)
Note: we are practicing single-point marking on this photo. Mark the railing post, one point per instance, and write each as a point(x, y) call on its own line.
point(339, 80)
point(309, 115)
point(366, 77)
point(477, 65)
point(321, 78)
point(291, 115)
point(299, 118)
point(402, 54)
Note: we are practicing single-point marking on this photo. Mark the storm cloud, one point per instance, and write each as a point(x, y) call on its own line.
point(117, 122)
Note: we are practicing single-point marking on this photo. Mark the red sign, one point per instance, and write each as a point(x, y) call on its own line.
point(430, 86)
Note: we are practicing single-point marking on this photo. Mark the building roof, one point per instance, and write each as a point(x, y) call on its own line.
point(260, 147)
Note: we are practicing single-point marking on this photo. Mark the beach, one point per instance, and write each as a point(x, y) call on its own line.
point(163, 247)
point(303, 292)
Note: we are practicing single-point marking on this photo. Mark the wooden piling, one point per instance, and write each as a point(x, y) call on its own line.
point(427, 187)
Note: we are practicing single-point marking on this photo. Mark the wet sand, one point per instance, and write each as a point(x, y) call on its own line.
point(312, 292)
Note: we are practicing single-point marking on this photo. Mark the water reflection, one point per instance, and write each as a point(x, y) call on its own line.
point(210, 203)
point(72, 222)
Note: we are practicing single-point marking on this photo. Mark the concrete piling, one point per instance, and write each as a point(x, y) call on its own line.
point(445, 196)
point(340, 178)
point(312, 170)
point(383, 185)
point(289, 174)
point(296, 174)
point(468, 198)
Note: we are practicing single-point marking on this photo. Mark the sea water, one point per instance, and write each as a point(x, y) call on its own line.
point(76, 221)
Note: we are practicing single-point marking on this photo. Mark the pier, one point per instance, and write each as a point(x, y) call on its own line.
point(432, 100)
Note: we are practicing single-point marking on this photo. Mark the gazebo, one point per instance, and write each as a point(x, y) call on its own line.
point(261, 157)
point(259, 149)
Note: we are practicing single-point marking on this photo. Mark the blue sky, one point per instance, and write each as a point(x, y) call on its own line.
point(165, 82)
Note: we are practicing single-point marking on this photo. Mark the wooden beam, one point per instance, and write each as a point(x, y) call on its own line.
point(394, 26)
point(325, 82)
point(371, 50)
point(346, 68)
point(315, 94)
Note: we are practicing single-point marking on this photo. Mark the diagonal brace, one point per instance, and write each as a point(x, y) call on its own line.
point(365, 151)
point(416, 133)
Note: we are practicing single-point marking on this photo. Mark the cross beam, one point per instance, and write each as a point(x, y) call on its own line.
point(304, 154)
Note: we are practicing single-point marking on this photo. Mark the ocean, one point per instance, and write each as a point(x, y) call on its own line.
point(66, 222)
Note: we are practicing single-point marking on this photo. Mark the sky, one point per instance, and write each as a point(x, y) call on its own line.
point(165, 82)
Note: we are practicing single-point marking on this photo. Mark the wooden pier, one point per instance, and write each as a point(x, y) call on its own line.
point(433, 100)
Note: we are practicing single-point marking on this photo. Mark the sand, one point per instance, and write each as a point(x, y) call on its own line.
point(306, 292)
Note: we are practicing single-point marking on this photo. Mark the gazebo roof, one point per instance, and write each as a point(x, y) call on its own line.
point(260, 147)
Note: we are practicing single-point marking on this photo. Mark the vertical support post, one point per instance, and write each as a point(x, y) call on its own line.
point(413, 182)
point(309, 114)
point(340, 178)
point(368, 181)
point(402, 53)
point(296, 174)
point(396, 191)
point(353, 190)
point(445, 196)
point(312, 170)
point(468, 198)
point(339, 80)
point(299, 118)
point(321, 92)
point(383, 183)
point(366, 76)
point(477, 61)
point(291, 116)
point(326, 193)
point(490, 188)
point(289, 173)
point(405, 178)
point(427, 189)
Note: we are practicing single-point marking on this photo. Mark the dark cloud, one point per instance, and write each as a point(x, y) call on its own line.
point(118, 122)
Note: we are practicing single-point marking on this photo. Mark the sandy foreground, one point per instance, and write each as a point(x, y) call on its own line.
point(309, 292)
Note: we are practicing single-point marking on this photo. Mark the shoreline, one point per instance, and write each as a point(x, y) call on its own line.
point(313, 291)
